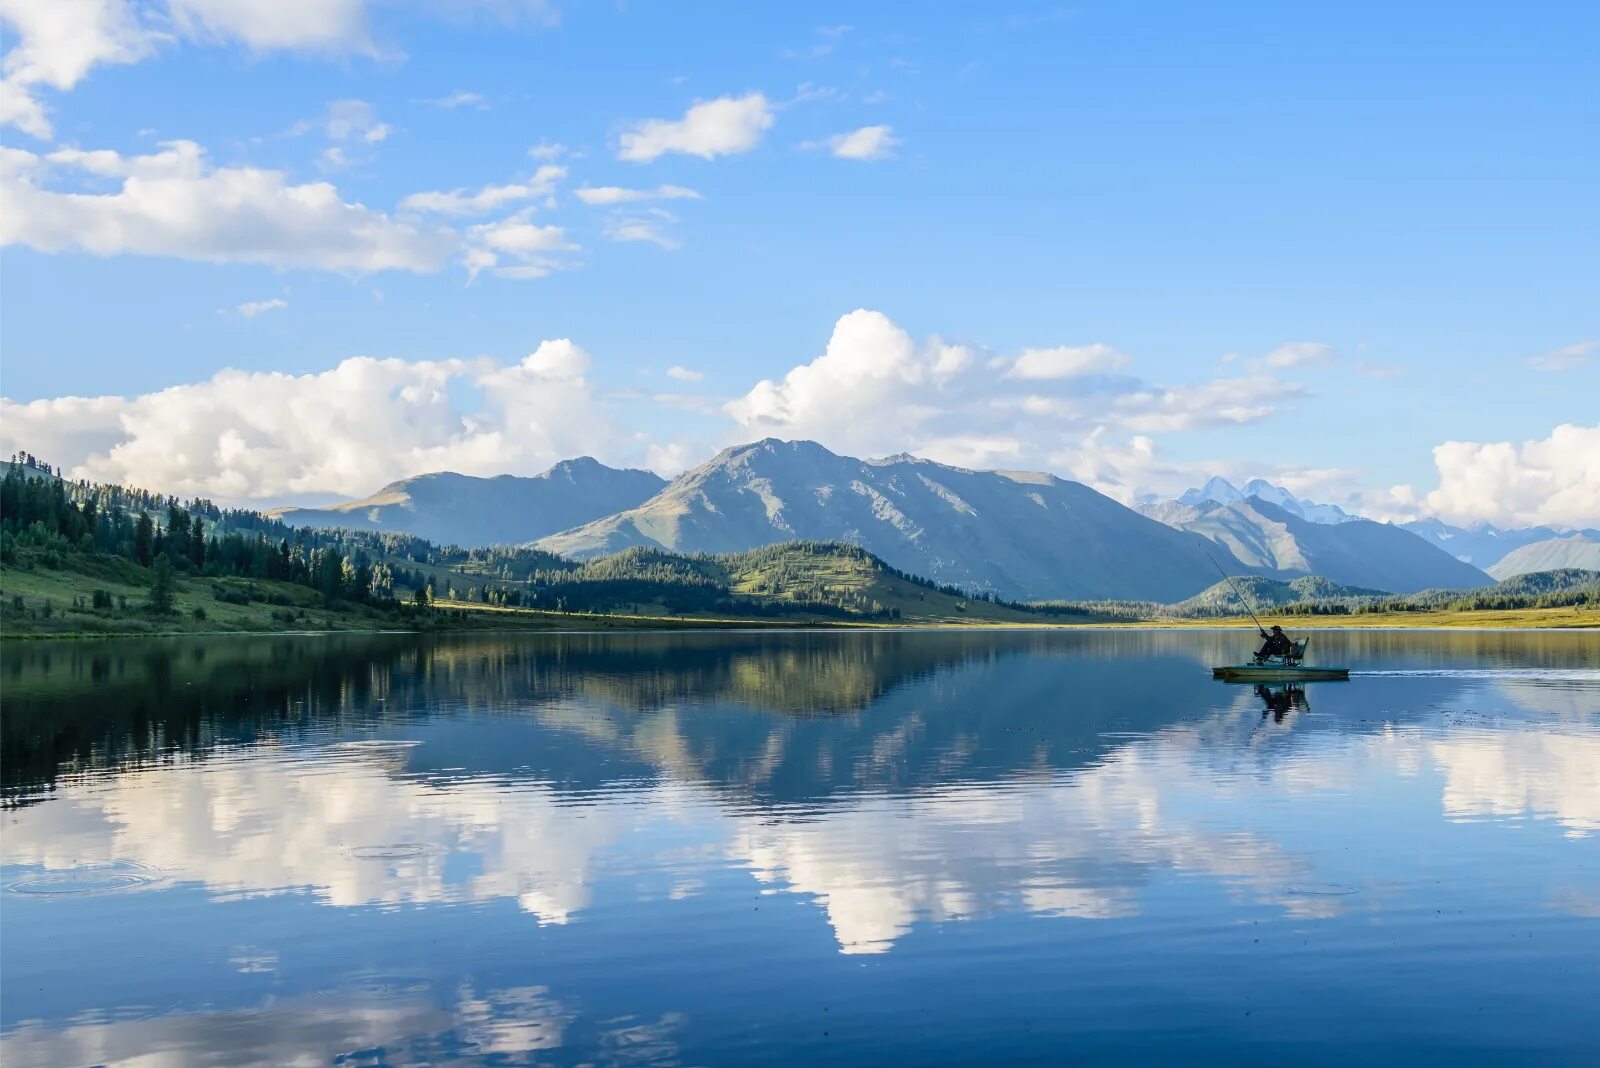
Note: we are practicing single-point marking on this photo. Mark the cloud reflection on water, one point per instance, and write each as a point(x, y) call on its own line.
point(353, 827)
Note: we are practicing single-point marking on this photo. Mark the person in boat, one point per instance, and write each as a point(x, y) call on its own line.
point(1275, 644)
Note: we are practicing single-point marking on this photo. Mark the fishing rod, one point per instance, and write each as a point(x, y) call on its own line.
point(1236, 592)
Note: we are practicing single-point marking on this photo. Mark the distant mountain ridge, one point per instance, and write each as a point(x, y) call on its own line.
point(1578, 550)
point(1221, 491)
point(1353, 552)
point(455, 509)
point(1022, 535)
point(1483, 544)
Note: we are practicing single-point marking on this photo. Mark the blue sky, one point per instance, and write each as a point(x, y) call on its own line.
point(1314, 244)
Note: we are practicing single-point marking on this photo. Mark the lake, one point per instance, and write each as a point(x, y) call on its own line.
point(799, 848)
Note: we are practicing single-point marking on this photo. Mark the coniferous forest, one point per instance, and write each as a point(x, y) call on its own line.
point(128, 556)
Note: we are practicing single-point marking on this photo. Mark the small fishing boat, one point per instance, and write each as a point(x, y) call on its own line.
point(1279, 672)
point(1287, 666)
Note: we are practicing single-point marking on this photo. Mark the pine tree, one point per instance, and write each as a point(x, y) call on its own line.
point(161, 588)
point(143, 539)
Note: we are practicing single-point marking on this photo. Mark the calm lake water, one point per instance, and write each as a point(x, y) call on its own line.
point(805, 848)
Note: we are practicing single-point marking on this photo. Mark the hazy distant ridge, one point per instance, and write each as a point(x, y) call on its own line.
point(454, 509)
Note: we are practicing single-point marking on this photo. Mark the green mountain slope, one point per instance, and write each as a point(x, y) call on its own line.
point(1269, 593)
point(1022, 535)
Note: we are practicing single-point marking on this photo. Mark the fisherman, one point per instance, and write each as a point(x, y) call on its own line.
point(1276, 644)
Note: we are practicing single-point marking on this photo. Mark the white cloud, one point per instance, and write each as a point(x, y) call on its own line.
point(725, 126)
point(548, 150)
point(871, 388)
point(175, 203)
point(490, 197)
point(683, 374)
point(875, 390)
point(355, 120)
point(1299, 354)
point(632, 229)
point(1555, 480)
point(244, 435)
point(1567, 357)
point(294, 25)
point(55, 43)
point(251, 309)
point(534, 250)
point(869, 142)
point(1065, 361)
point(613, 194)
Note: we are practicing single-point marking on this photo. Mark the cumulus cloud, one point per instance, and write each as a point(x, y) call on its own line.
point(490, 198)
point(1553, 480)
point(517, 248)
point(55, 45)
point(1065, 361)
point(871, 385)
point(683, 374)
point(613, 194)
point(57, 42)
point(174, 202)
point(245, 435)
point(1567, 357)
point(867, 143)
point(251, 309)
point(725, 126)
point(875, 390)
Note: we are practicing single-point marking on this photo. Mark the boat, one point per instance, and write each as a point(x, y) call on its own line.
point(1279, 672)
point(1284, 667)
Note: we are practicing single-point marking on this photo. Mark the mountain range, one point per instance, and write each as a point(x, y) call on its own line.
point(454, 509)
point(1497, 551)
point(1354, 552)
point(1222, 491)
point(1020, 535)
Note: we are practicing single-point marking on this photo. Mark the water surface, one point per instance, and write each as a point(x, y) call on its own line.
point(888, 847)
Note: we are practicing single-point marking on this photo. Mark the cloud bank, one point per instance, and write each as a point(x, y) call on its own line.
point(1076, 410)
point(258, 436)
point(174, 202)
point(1553, 480)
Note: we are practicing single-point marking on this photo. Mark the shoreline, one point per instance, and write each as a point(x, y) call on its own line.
point(1503, 620)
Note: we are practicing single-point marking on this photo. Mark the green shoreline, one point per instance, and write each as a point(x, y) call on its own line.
point(555, 623)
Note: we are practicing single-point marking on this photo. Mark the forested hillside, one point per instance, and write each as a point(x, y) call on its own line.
point(109, 554)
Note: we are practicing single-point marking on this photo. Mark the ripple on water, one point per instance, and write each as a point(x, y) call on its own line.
point(375, 745)
point(1320, 890)
point(371, 987)
point(99, 879)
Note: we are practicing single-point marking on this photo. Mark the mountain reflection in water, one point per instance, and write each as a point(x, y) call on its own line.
point(731, 796)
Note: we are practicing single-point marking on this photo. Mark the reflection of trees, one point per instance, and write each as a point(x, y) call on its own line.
point(854, 708)
point(86, 705)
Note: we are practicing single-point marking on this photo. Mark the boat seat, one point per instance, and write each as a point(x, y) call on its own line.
point(1293, 657)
